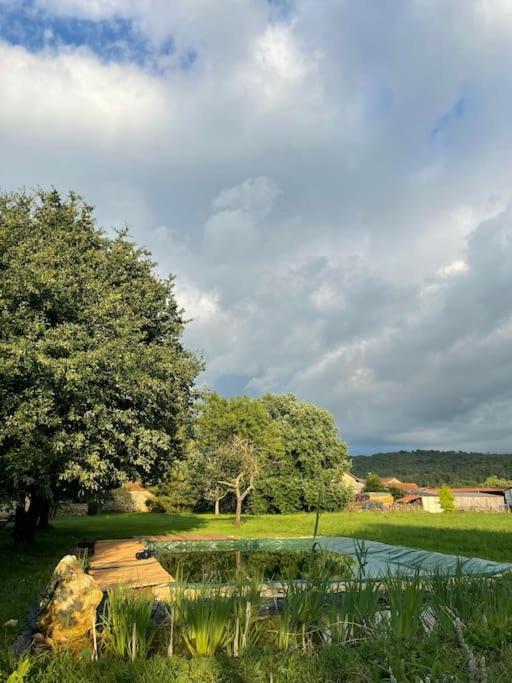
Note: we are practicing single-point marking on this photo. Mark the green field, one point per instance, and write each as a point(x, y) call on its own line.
point(24, 573)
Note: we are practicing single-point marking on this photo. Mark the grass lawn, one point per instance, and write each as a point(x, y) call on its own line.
point(24, 573)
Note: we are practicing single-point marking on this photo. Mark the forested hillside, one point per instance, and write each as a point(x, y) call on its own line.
point(430, 468)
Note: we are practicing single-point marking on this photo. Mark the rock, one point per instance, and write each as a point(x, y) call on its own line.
point(68, 617)
point(40, 644)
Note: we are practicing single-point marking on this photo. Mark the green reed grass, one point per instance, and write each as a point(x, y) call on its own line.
point(203, 619)
point(126, 622)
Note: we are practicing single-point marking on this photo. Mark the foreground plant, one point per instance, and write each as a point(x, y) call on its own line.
point(303, 620)
point(354, 611)
point(203, 619)
point(128, 630)
point(405, 604)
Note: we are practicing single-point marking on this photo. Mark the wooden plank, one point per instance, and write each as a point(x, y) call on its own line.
point(115, 562)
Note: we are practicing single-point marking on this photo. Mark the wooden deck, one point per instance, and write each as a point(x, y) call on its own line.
point(114, 562)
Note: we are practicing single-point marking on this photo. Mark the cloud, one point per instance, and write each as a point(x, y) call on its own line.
point(333, 197)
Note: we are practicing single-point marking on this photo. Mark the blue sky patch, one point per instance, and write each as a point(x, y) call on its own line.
point(456, 113)
point(114, 40)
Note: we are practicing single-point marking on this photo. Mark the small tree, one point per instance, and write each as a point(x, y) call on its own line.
point(241, 458)
point(446, 498)
point(374, 483)
point(396, 492)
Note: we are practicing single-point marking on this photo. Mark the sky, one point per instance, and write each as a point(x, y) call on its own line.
point(329, 180)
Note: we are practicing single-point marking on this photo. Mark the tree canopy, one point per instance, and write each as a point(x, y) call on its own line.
point(95, 384)
point(299, 458)
point(308, 471)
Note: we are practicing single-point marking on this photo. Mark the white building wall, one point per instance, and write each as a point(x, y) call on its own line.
point(431, 504)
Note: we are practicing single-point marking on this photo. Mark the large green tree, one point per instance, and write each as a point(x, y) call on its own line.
point(309, 471)
point(95, 384)
point(279, 453)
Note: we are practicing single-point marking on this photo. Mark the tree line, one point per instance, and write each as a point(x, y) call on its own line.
point(434, 468)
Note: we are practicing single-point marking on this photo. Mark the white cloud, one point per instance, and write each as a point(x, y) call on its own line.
point(71, 97)
point(331, 196)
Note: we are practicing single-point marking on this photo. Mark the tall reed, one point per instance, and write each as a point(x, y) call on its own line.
point(203, 619)
point(354, 611)
point(126, 622)
point(405, 604)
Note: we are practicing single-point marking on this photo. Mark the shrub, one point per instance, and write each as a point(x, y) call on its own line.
point(446, 499)
point(374, 483)
point(155, 505)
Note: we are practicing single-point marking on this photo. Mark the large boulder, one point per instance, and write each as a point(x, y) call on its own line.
point(69, 609)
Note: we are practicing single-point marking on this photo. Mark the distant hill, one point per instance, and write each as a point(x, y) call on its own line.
point(432, 468)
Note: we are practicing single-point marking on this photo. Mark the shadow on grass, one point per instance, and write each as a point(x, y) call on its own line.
point(25, 572)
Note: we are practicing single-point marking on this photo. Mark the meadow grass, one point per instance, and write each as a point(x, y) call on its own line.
point(24, 573)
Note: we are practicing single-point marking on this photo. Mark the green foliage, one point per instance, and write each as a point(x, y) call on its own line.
point(95, 385)
point(433, 468)
point(446, 499)
point(497, 482)
point(176, 493)
point(307, 472)
point(399, 628)
point(396, 492)
point(374, 483)
point(203, 619)
point(406, 603)
point(19, 675)
point(300, 457)
point(220, 424)
point(121, 500)
point(126, 622)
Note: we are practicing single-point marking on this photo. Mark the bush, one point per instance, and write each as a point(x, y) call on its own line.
point(156, 505)
point(374, 483)
point(446, 499)
point(120, 500)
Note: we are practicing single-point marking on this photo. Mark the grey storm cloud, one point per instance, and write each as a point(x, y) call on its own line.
point(330, 183)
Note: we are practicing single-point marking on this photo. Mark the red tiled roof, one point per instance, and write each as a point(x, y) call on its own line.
point(408, 499)
point(469, 489)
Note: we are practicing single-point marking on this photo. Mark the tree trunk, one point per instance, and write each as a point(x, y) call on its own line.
point(43, 513)
point(239, 500)
point(217, 506)
point(23, 526)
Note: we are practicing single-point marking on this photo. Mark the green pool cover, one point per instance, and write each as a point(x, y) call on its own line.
point(378, 559)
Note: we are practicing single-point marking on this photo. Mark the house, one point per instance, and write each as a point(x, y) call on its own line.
point(394, 483)
point(391, 482)
point(376, 499)
point(479, 498)
point(351, 481)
